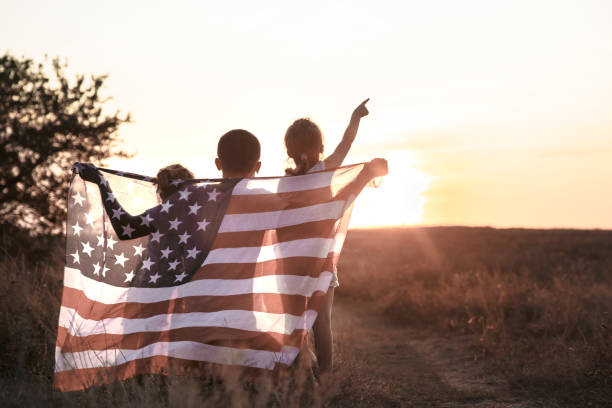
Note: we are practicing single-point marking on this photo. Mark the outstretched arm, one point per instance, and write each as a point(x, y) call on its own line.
point(126, 226)
point(374, 168)
point(337, 157)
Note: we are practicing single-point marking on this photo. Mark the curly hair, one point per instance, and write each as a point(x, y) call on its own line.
point(301, 138)
point(166, 175)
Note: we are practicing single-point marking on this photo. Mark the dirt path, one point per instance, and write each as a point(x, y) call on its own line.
point(381, 364)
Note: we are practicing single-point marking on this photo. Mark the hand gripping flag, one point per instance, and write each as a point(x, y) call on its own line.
point(228, 272)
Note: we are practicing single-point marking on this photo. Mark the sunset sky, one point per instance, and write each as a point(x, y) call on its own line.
point(489, 113)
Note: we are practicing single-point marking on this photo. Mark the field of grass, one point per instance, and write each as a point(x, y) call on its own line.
point(536, 304)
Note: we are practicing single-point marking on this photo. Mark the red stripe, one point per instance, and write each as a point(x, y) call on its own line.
point(315, 229)
point(242, 204)
point(257, 302)
point(215, 336)
point(298, 265)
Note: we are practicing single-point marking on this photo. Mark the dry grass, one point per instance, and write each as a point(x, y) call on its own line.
point(537, 303)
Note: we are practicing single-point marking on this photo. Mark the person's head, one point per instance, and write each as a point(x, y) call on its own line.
point(238, 154)
point(304, 143)
point(165, 177)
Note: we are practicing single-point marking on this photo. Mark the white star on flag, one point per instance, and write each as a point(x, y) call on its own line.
point(180, 277)
point(191, 253)
point(155, 236)
point(176, 182)
point(146, 263)
point(184, 194)
point(121, 259)
point(154, 278)
point(129, 276)
point(100, 240)
point(75, 257)
point(193, 209)
point(102, 180)
point(173, 265)
point(212, 196)
point(117, 213)
point(86, 248)
point(78, 199)
point(77, 229)
point(127, 230)
point(104, 269)
point(175, 223)
point(145, 220)
point(111, 197)
point(202, 225)
point(111, 242)
point(90, 219)
point(138, 248)
point(166, 252)
point(96, 268)
point(166, 205)
point(183, 238)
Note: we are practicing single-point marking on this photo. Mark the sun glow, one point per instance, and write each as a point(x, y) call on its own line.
point(399, 200)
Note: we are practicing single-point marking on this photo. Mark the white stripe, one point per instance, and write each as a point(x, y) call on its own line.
point(309, 247)
point(187, 350)
point(283, 284)
point(329, 179)
point(248, 320)
point(284, 218)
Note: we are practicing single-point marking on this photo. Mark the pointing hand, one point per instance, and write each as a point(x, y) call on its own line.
point(361, 110)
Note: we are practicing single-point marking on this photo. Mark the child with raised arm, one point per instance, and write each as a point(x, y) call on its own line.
point(304, 143)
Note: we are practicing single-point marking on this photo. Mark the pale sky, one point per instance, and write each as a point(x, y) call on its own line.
point(490, 113)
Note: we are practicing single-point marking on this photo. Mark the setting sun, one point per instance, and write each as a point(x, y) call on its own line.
point(399, 199)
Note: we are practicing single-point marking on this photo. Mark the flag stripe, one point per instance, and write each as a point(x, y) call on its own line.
point(217, 336)
point(312, 181)
point(283, 323)
point(181, 349)
point(260, 302)
point(302, 266)
point(240, 204)
point(78, 379)
point(284, 218)
point(315, 229)
point(315, 247)
point(283, 284)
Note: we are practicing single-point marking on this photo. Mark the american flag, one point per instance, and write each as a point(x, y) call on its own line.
point(223, 272)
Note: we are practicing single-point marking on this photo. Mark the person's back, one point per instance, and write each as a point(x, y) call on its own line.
point(181, 229)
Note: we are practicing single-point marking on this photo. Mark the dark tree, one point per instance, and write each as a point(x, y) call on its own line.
point(47, 122)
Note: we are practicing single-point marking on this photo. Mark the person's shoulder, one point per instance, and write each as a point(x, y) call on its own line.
point(317, 167)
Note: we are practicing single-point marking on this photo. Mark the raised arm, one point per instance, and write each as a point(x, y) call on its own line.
point(338, 156)
point(126, 226)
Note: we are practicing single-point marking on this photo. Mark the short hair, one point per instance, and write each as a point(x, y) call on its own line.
point(166, 175)
point(238, 150)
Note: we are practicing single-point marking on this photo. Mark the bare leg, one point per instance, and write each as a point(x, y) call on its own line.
point(323, 333)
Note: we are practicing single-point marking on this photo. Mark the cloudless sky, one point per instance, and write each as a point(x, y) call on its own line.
point(490, 113)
